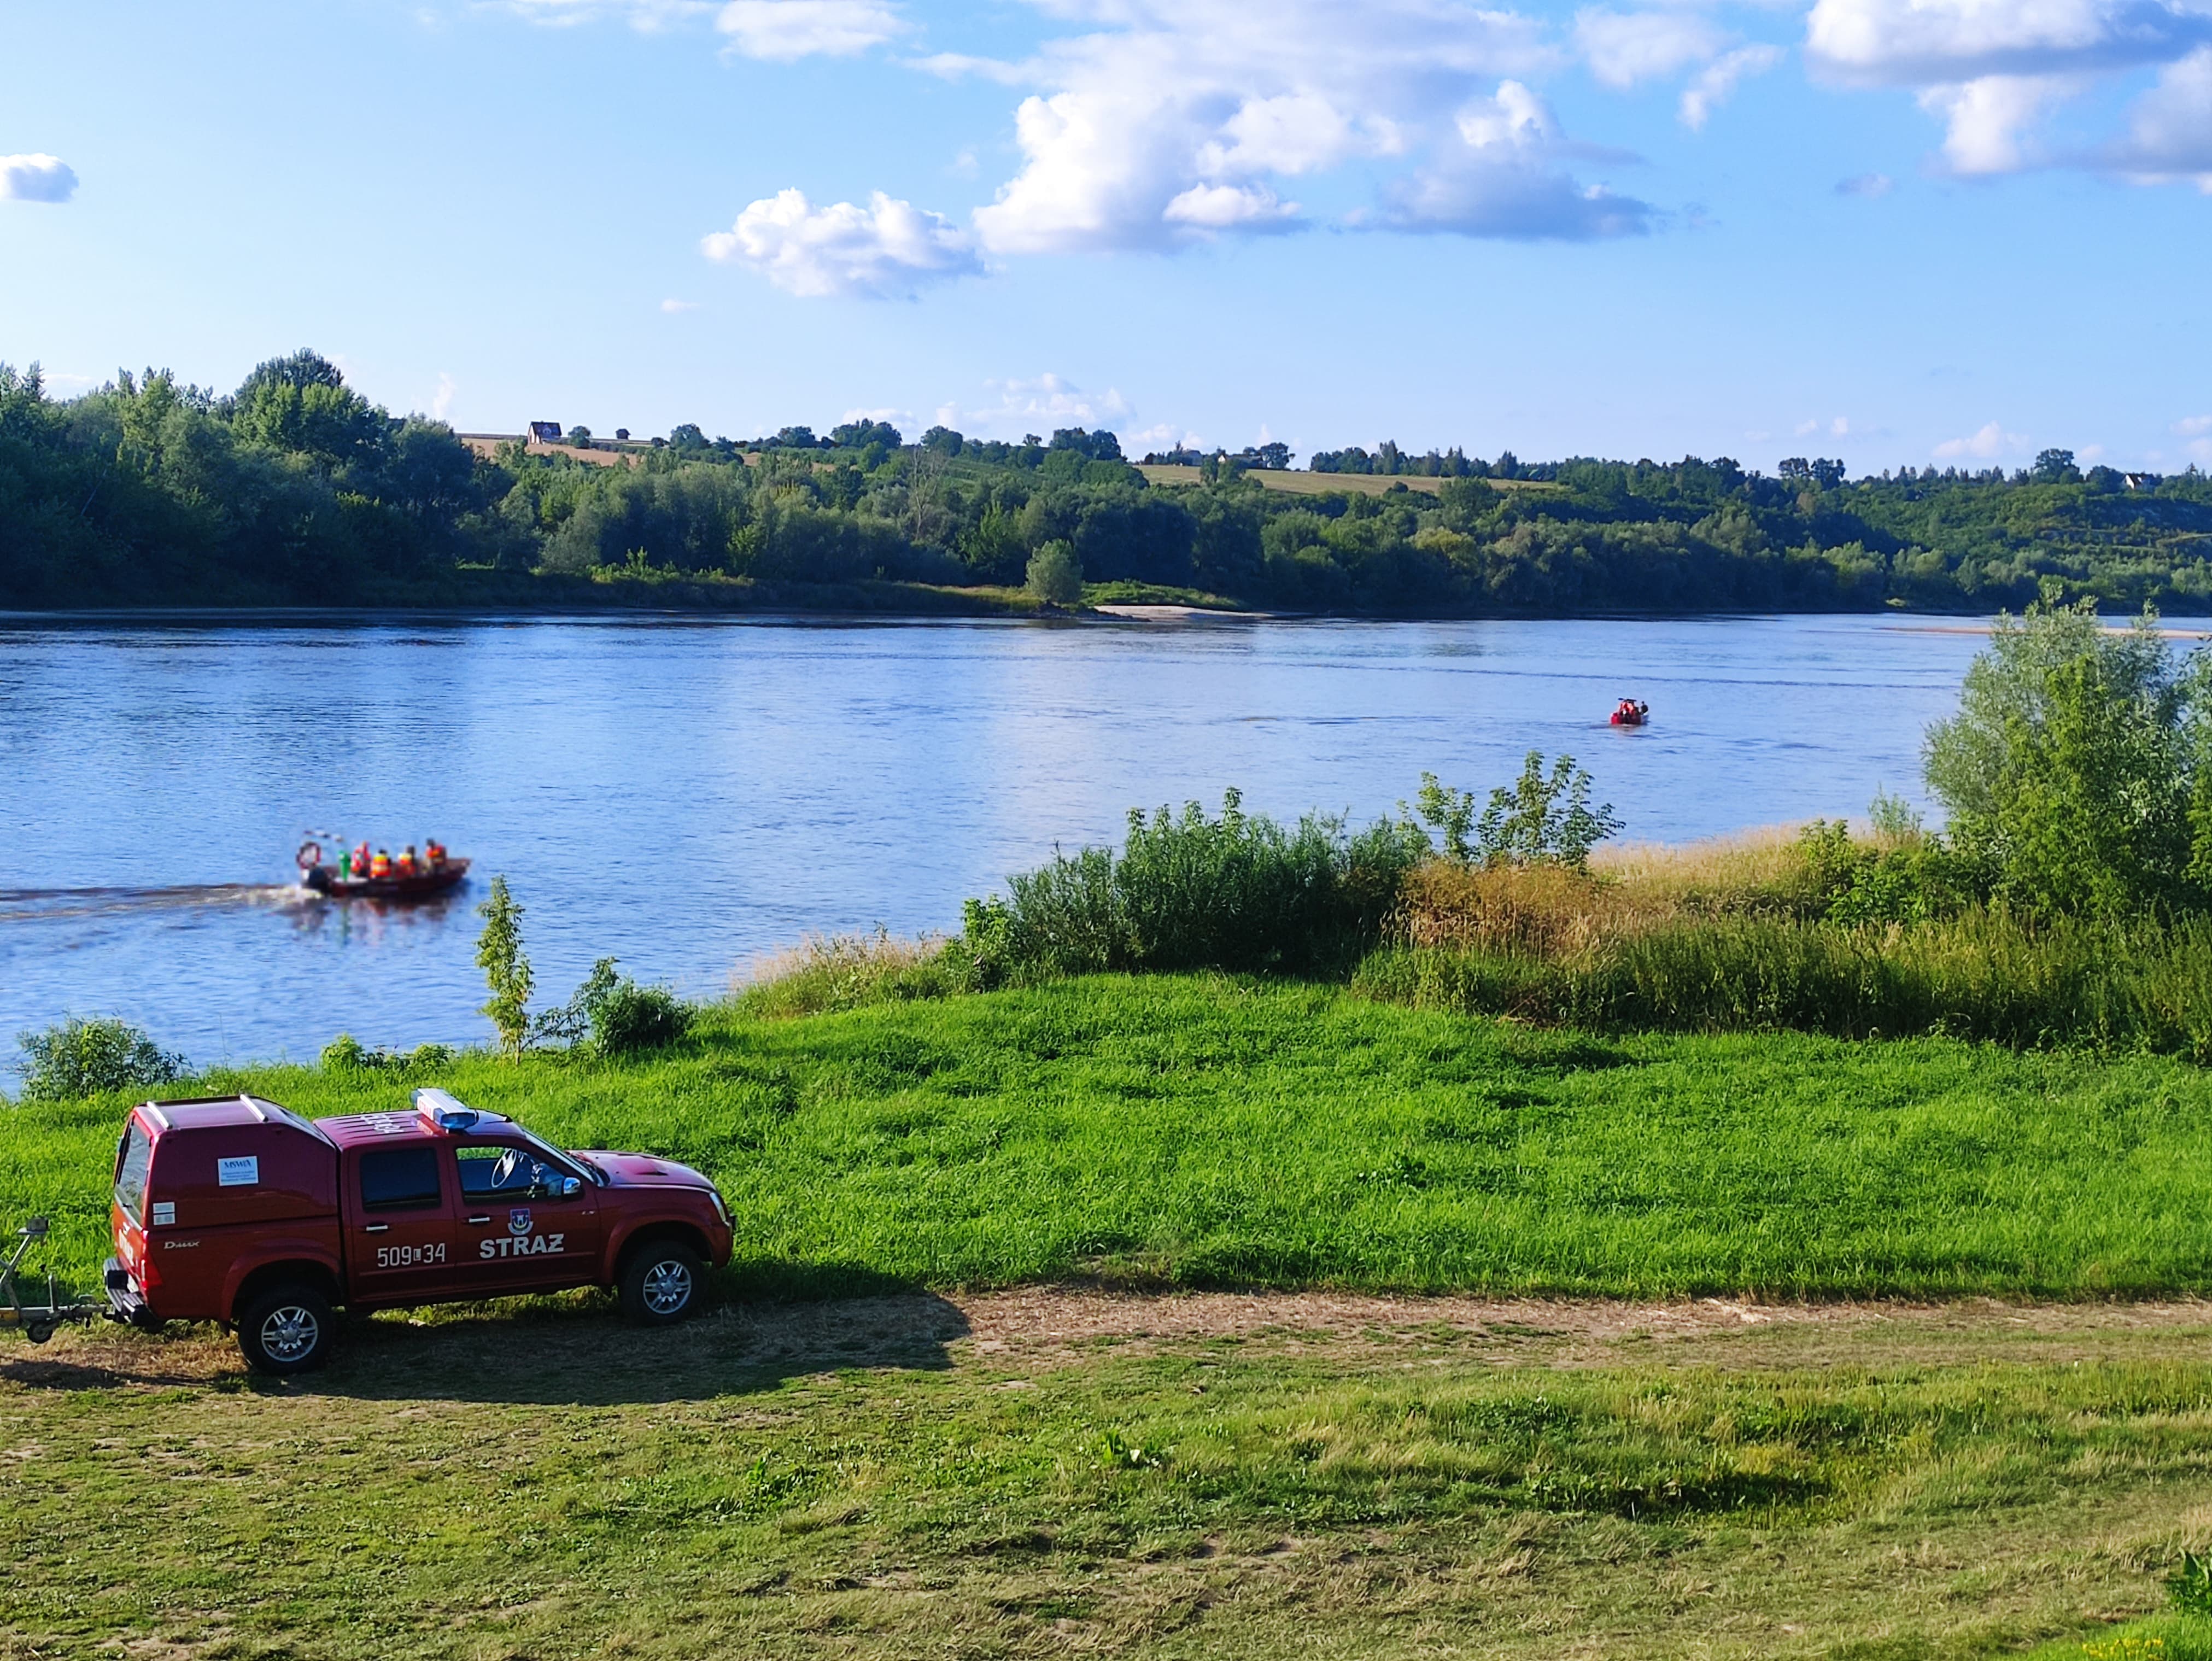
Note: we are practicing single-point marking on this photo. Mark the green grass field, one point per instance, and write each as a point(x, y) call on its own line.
point(1207, 1131)
point(1098, 1459)
point(1044, 1474)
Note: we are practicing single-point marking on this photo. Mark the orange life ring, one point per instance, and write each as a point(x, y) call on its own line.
point(310, 856)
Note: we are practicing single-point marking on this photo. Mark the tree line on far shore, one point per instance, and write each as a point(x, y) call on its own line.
point(293, 489)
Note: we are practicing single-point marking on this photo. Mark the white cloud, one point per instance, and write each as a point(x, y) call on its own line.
point(783, 30)
point(441, 402)
point(644, 15)
point(1994, 70)
point(886, 249)
point(1840, 427)
point(2191, 426)
point(1989, 442)
point(1623, 48)
point(1162, 435)
point(1504, 179)
point(1866, 184)
point(1930, 42)
point(1138, 131)
point(36, 178)
point(2170, 127)
point(1229, 207)
point(672, 308)
point(1717, 81)
point(1986, 120)
point(1038, 405)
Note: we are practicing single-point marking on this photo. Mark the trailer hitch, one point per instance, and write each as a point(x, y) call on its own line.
point(37, 1319)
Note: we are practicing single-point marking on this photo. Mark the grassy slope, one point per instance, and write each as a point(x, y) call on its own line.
point(1203, 1130)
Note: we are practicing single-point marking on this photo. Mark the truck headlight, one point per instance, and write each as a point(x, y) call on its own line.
point(721, 1210)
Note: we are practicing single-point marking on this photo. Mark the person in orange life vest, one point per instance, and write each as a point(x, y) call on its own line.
point(381, 865)
point(433, 852)
point(361, 861)
point(408, 866)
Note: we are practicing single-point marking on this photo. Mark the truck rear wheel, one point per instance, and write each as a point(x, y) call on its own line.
point(661, 1283)
point(287, 1330)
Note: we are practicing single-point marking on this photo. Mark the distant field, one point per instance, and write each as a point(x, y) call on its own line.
point(487, 446)
point(1298, 484)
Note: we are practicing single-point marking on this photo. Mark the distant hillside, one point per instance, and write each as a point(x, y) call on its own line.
point(295, 490)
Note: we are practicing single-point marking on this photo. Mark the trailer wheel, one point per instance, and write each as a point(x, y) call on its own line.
point(660, 1283)
point(287, 1330)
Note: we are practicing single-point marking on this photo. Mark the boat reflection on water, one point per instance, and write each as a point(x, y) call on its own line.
point(369, 921)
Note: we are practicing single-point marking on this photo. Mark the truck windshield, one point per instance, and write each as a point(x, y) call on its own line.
point(132, 1162)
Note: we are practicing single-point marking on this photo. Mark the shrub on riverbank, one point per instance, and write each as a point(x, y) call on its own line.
point(1239, 893)
point(85, 1058)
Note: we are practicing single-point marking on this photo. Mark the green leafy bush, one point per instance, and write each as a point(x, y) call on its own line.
point(81, 1058)
point(346, 1053)
point(2075, 770)
point(1238, 892)
point(1534, 821)
point(2190, 1584)
point(632, 1018)
point(1056, 576)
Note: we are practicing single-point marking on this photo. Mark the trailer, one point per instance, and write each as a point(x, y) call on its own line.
point(38, 1308)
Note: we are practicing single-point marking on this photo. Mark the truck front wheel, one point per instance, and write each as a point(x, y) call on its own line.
point(287, 1330)
point(660, 1283)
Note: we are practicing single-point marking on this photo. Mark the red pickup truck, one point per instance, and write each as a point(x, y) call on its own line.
point(235, 1210)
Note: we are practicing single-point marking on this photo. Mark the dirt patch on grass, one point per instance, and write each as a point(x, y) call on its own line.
point(574, 1341)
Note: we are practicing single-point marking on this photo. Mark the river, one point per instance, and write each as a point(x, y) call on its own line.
point(685, 793)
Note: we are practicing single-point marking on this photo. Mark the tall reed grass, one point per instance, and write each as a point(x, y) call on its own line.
point(1985, 975)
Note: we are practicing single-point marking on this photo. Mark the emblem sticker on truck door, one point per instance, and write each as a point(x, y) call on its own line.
point(520, 1242)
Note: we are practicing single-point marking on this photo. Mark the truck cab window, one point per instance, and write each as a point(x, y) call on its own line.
point(399, 1179)
point(494, 1171)
point(132, 1163)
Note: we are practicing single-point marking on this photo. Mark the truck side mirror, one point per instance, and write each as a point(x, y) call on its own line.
point(571, 1187)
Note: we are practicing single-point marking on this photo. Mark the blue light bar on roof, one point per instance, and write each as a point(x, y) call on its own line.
point(443, 1112)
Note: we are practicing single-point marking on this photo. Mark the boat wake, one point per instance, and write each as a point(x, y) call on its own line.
point(36, 904)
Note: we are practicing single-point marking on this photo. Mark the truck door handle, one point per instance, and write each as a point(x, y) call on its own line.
point(484, 1218)
point(378, 1228)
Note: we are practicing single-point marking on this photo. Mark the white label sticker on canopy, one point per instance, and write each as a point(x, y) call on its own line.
point(165, 1212)
point(239, 1173)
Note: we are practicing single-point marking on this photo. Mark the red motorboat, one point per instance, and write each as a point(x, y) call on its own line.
point(424, 879)
point(1631, 713)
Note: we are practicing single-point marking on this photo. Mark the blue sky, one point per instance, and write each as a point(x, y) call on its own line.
point(1894, 231)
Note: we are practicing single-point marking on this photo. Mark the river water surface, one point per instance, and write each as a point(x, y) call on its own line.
point(684, 794)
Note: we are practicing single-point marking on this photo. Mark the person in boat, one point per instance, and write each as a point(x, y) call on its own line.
point(408, 865)
point(1643, 711)
point(345, 864)
point(380, 867)
point(434, 853)
point(361, 861)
